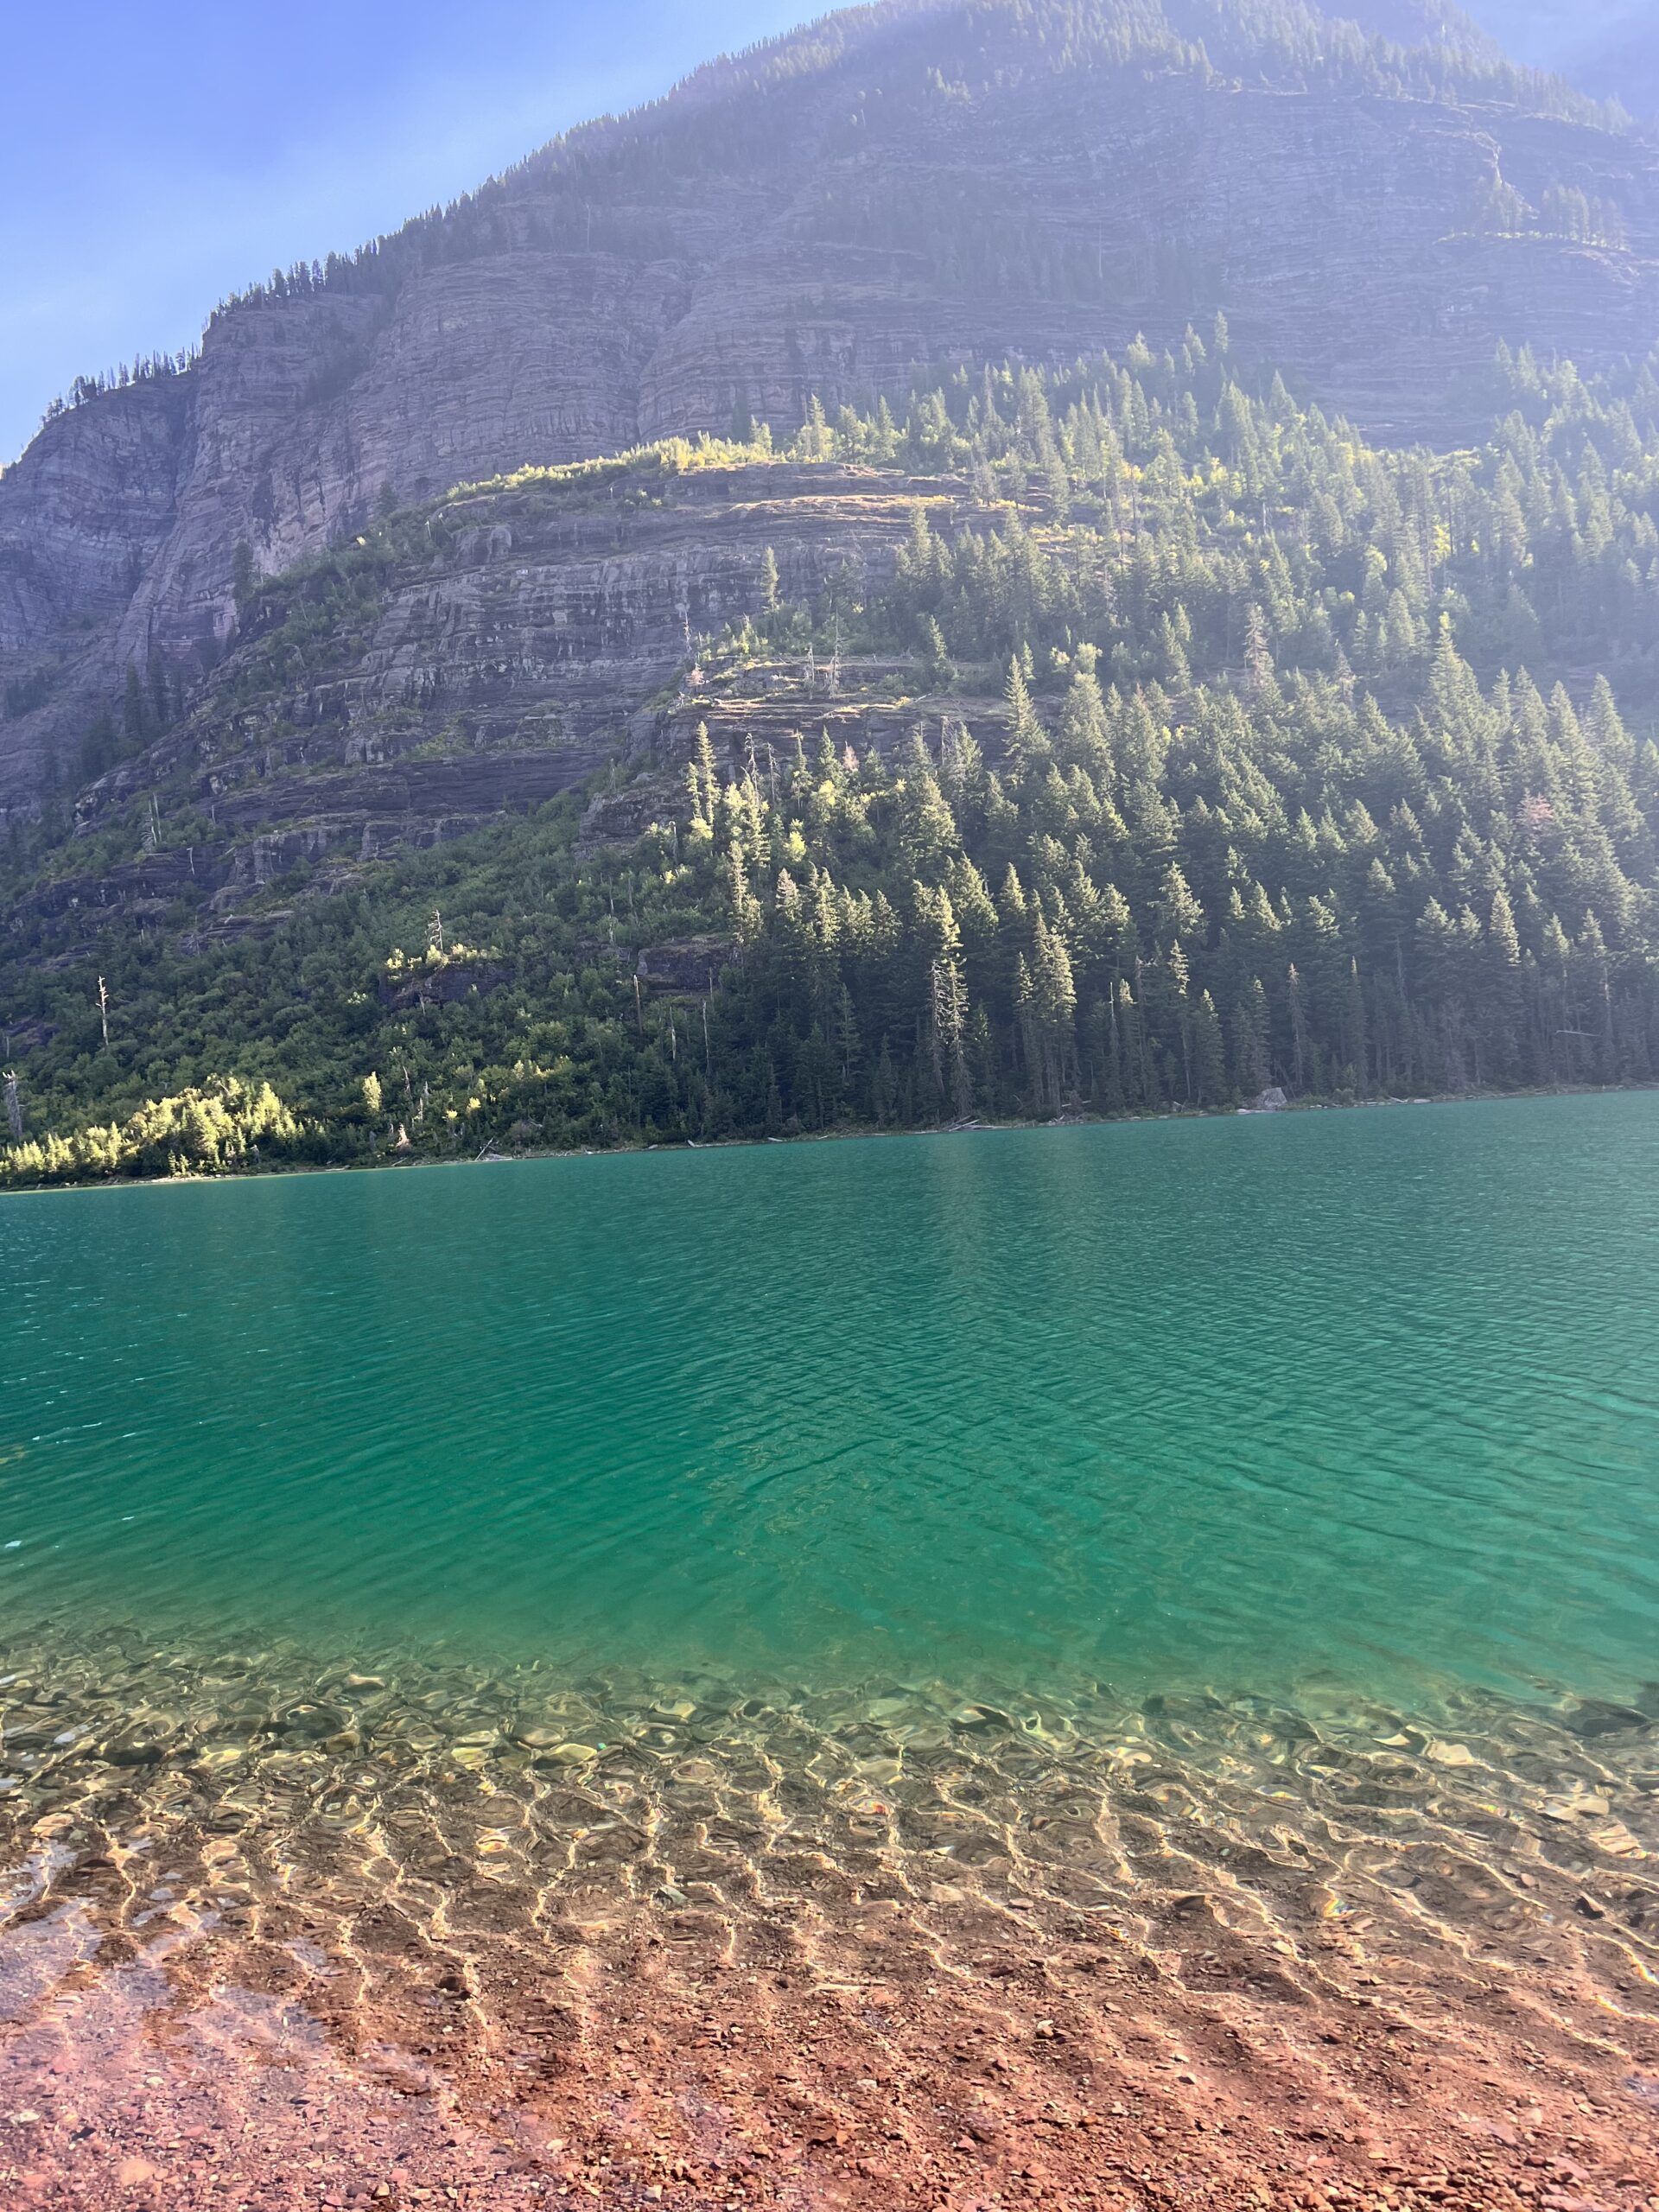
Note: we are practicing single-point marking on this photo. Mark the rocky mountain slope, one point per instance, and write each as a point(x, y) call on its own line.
point(467, 660)
point(922, 183)
point(1098, 739)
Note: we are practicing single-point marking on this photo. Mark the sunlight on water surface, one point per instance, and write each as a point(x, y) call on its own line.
point(1368, 1398)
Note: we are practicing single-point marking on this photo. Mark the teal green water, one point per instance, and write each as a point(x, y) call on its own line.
point(1370, 1396)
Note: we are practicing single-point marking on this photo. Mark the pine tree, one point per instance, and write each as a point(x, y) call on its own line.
point(1084, 739)
point(1027, 746)
point(1252, 1044)
point(1209, 1055)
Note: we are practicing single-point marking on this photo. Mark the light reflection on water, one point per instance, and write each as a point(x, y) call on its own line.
point(1365, 1398)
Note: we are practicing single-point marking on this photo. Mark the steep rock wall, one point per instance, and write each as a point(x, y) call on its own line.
point(502, 668)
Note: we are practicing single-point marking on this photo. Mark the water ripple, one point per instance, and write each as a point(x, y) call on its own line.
point(1369, 1396)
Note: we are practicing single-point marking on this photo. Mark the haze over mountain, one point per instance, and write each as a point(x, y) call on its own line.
point(924, 181)
point(1609, 47)
point(994, 562)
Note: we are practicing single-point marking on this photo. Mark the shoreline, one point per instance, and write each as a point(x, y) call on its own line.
point(502, 1942)
point(490, 1158)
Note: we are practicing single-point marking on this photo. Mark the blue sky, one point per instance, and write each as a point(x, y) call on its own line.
point(155, 158)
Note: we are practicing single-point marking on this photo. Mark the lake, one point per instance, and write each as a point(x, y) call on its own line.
point(1367, 1399)
point(624, 1673)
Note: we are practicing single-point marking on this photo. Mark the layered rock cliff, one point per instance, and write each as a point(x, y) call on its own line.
point(905, 184)
point(503, 646)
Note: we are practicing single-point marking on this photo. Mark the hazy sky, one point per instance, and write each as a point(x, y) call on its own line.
point(155, 158)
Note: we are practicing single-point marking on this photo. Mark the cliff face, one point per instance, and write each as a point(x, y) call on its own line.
point(525, 637)
point(908, 184)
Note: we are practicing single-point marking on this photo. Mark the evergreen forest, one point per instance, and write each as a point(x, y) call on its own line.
point(1237, 755)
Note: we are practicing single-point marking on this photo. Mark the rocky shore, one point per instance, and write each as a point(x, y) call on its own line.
point(281, 1931)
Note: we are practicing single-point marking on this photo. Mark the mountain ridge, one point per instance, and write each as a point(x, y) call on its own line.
point(1010, 178)
point(1122, 739)
point(1608, 47)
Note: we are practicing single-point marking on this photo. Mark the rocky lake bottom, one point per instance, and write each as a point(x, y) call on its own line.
point(285, 1927)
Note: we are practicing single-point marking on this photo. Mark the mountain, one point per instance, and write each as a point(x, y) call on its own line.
point(1608, 47)
point(1620, 59)
point(1123, 738)
point(797, 610)
point(923, 183)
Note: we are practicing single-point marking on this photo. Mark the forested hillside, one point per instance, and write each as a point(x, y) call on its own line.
point(1216, 750)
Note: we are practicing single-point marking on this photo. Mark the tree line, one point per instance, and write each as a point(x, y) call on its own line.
point(1242, 755)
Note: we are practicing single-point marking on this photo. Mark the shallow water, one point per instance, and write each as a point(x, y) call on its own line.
point(259, 1876)
point(1198, 1579)
point(1363, 1401)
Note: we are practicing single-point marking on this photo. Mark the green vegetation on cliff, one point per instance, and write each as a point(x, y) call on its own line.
point(1238, 753)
